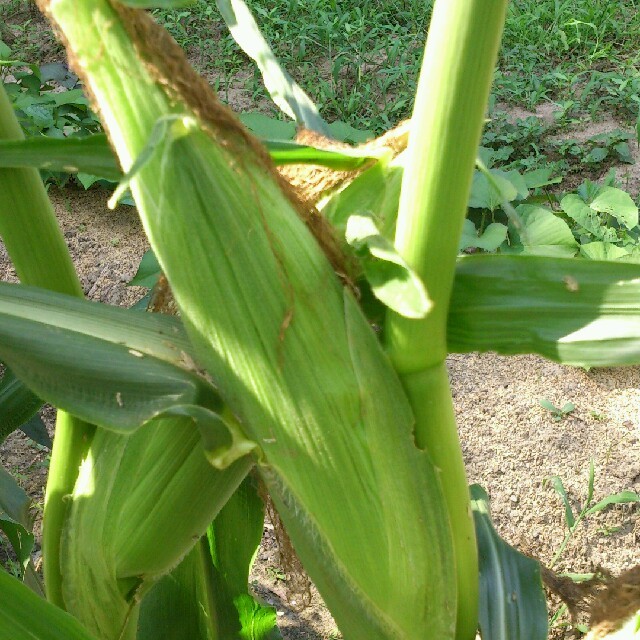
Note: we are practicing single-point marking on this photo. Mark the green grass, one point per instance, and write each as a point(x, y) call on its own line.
point(359, 60)
point(557, 48)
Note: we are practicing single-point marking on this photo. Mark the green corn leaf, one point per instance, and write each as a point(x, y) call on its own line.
point(235, 535)
point(284, 152)
point(234, 538)
point(25, 616)
point(624, 497)
point(257, 621)
point(18, 404)
point(21, 541)
point(146, 357)
point(148, 271)
point(130, 368)
point(179, 605)
point(284, 91)
point(93, 156)
point(14, 501)
point(287, 362)
point(512, 600)
point(87, 155)
point(392, 281)
point(36, 429)
point(376, 190)
point(206, 598)
point(572, 311)
point(15, 521)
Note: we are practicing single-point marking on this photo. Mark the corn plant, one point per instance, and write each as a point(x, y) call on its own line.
point(273, 379)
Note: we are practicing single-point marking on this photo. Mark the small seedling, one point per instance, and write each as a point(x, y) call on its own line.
point(609, 531)
point(557, 412)
point(587, 508)
point(9, 564)
point(276, 574)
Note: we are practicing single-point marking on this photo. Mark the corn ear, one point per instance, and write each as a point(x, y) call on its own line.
point(289, 349)
point(140, 504)
point(206, 597)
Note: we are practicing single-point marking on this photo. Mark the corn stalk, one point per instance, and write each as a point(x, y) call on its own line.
point(36, 246)
point(458, 68)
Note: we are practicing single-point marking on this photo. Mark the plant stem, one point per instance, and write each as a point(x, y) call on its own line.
point(71, 441)
point(453, 90)
point(28, 225)
point(36, 246)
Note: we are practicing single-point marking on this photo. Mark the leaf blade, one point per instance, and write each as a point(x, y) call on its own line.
point(26, 616)
point(572, 311)
point(512, 601)
point(284, 91)
point(90, 154)
point(624, 497)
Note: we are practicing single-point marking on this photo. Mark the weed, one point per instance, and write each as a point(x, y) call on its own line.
point(42, 108)
point(557, 412)
point(613, 145)
point(588, 508)
point(609, 530)
point(276, 574)
point(9, 562)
